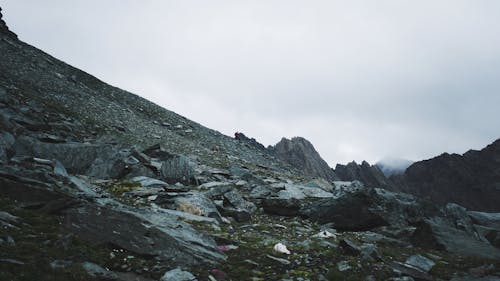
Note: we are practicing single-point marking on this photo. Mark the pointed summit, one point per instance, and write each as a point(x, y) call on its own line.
point(4, 29)
point(301, 154)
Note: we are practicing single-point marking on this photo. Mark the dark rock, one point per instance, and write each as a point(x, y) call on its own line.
point(282, 207)
point(441, 234)
point(234, 199)
point(6, 142)
point(260, 192)
point(238, 214)
point(178, 168)
point(473, 278)
point(4, 216)
point(158, 151)
point(60, 264)
point(97, 271)
point(370, 253)
point(351, 212)
point(485, 219)
point(408, 270)
point(143, 232)
point(349, 248)
point(97, 160)
point(487, 225)
point(250, 141)
point(471, 180)
point(420, 262)
point(197, 204)
point(301, 154)
point(4, 29)
point(28, 191)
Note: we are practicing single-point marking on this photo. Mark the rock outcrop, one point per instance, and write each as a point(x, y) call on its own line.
point(300, 153)
point(4, 28)
point(471, 180)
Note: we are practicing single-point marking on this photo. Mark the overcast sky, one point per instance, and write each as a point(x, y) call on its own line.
point(359, 79)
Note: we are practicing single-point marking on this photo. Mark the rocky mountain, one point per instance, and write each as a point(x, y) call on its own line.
point(393, 166)
point(471, 179)
point(369, 175)
point(99, 184)
point(300, 153)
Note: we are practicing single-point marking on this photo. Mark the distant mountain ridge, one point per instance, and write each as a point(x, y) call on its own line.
point(471, 180)
point(369, 175)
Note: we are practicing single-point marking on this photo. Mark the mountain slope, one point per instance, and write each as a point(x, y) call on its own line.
point(112, 114)
point(471, 179)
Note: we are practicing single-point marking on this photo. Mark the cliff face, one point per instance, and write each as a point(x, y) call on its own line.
point(300, 153)
point(370, 175)
point(471, 179)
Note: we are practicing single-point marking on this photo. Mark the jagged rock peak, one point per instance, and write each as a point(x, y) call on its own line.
point(3, 26)
point(301, 154)
point(370, 175)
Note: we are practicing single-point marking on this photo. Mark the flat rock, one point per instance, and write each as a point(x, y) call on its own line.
point(143, 231)
point(421, 262)
point(438, 233)
point(178, 275)
point(149, 182)
point(97, 271)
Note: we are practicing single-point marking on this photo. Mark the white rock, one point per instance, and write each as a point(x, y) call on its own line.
point(325, 234)
point(280, 248)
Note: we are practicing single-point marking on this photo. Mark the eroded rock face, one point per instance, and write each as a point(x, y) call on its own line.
point(300, 153)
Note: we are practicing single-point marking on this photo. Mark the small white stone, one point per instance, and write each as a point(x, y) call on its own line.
point(280, 248)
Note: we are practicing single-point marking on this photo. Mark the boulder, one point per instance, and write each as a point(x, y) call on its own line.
point(178, 275)
point(282, 207)
point(351, 212)
point(441, 234)
point(178, 168)
point(6, 142)
point(234, 199)
point(143, 232)
point(102, 161)
point(98, 272)
point(191, 202)
point(420, 262)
